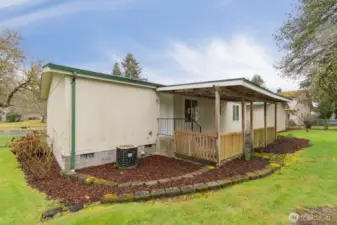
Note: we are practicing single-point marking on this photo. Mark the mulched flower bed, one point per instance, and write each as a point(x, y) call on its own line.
point(285, 145)
point(230, 169)
point(150, 168)
point(70, 191)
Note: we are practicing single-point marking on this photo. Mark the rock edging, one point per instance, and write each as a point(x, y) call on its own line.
point(144, 195)
point(87, 179)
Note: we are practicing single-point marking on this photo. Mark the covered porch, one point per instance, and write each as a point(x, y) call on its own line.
point(217, 144)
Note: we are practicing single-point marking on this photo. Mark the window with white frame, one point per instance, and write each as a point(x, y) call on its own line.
point(236, 113)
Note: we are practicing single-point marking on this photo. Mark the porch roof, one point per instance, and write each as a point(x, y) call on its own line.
point(230, 90)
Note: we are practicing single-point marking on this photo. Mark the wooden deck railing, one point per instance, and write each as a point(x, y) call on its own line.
point(259, 136)
point(195, 144)
point(202, 146)
point(231, 144)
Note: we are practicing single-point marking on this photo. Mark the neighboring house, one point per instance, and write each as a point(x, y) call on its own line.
point(90, 114)
point(298, 108)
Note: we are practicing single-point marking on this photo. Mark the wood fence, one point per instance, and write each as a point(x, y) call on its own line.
point(195, 144)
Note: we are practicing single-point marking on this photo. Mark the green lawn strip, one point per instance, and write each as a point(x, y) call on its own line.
point(19, 204)
point(5, 139)
point(309, 181)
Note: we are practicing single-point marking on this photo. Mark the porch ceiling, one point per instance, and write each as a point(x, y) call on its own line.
point(230, 90)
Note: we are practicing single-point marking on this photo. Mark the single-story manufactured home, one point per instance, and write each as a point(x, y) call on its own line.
point(90, 114)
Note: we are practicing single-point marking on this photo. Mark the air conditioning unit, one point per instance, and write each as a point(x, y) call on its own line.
point(127, 156)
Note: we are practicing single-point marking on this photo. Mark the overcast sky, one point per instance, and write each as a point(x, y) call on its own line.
point(175, 41)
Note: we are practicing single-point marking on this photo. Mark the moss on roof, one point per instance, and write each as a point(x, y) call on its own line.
point(100, 75)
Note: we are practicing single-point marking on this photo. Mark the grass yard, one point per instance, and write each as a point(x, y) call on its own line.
point(32, 124)
point(308, 182)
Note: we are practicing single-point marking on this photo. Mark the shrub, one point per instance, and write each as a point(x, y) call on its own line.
point(307, 121)
point(12, 117)
point(33, 153)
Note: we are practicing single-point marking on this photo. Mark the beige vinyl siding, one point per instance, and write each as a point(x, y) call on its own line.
point(111, 114)
point(58, 119)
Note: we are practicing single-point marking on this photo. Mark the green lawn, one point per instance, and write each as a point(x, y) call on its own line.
point(309, 182)
point(5, 139)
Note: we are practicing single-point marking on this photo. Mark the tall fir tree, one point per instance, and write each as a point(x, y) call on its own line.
point(257, 79)
point(116, 71)
point(131, 67)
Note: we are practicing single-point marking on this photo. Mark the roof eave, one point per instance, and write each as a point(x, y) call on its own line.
point(226, 83)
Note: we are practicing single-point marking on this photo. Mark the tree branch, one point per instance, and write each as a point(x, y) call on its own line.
point(11, 94)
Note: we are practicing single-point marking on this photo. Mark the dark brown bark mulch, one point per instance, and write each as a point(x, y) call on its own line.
point(230, 169)
point(150, 168)
point(70, 192)
point(284, 145)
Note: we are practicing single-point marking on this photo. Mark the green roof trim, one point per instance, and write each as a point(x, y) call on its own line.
point(100, 75)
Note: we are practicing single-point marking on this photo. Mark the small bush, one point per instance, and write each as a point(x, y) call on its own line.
point(308, 121)
point(12, 117)
point(33, 153)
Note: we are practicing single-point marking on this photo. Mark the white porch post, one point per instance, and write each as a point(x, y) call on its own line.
point(275, 122)
point(243, 123)
point(251, 124)
point(265, 123)
point(217, 124)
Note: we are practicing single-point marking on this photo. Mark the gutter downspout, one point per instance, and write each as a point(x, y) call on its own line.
point(73, 120)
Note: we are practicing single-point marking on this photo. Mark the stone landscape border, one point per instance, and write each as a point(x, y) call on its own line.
point(144, 195)
point(99, 181)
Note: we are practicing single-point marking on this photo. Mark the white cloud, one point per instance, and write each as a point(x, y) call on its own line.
point(16, 3)
point(9, 3)
point(62, 9)
point(215, 59)
point(240, 56)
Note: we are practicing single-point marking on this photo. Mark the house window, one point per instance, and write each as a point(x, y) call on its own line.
point(235, 113)
point(190, 109)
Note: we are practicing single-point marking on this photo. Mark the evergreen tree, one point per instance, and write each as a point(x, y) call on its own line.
point(131, 67)
point(116, 71)
point(257, 79)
